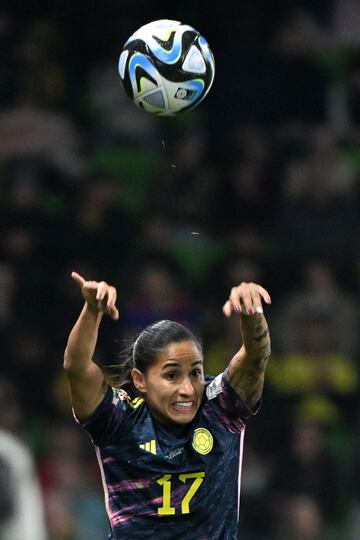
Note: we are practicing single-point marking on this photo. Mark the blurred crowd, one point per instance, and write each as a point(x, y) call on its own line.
point(259, 183)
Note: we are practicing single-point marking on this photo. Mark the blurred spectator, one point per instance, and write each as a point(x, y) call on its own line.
point(319, 379)
point(7, 288)
point(7, 496)
point(189, 246)
point(346, 23)
point(301, 33)
point(72, 487)
point(353, 522)
point(318, 297)
point(24, 517)
point(317, 222)
point(100, 223)
point(41, 77)
point(311, 470)
point(29, 132)
point(7, 40)
point(156, 294)
point(324, 167)
point(220, 350)
point(113, 117)
point(302, 520)
point(22, 512)
point(245, 191)
point(187, 179)
point(255, 517)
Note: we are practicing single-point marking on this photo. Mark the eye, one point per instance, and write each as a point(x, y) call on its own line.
point(171, 376)
point(196, 373)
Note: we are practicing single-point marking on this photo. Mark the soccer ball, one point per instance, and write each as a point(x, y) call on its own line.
point(166, 67)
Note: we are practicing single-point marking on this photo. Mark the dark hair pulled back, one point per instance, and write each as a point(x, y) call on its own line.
point(145, 350)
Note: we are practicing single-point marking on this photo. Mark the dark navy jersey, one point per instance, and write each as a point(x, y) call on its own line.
point(169, 483)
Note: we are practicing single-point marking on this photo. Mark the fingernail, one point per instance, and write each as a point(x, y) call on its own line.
point(259, 309)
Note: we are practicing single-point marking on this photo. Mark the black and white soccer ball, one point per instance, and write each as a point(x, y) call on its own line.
point(166, 67)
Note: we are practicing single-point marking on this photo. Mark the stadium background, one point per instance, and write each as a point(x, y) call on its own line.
point(260, 182)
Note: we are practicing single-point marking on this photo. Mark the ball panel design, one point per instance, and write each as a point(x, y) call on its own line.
point(122, 63)
point(166, 67)
point(194, 62)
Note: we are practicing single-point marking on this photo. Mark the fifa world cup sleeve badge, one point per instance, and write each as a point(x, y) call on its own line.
point(214, 388)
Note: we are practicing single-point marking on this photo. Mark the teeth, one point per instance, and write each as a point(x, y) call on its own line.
point(184, 404)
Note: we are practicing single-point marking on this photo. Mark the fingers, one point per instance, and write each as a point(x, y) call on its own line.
point(98, 294)
point(266, 296)
point(114, 313)
point(227, 308)
point(247, 299)
point(102, 290)
point(235, 299)
point(106, 298)
point(256, 303)
point(111, 309)
point(241, 299)
point(77, 278)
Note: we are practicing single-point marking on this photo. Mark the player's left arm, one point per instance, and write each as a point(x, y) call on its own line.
point(246, 370)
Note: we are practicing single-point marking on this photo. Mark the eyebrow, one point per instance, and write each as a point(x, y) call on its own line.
point(173, 363)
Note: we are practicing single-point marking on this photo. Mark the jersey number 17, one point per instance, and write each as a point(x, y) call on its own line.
point(165, 481)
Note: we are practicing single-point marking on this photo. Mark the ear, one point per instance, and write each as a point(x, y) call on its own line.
point(138, 379)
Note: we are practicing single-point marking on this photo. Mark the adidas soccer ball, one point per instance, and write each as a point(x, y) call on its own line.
point(166, 67)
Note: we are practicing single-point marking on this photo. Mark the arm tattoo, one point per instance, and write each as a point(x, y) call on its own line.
point(247, 369)
point(262, 336)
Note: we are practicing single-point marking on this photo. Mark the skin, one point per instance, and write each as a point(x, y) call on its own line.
point(246, 370)
point(86, 380)
point(177, 375)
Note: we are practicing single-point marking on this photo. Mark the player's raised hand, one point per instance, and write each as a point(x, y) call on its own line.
point(247, 299)
point(98, 294)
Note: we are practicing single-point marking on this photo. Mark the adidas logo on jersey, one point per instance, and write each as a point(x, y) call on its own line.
point(136, 402)
point(149, 446)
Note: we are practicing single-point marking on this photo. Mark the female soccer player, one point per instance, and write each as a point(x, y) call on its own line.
point(168, 439)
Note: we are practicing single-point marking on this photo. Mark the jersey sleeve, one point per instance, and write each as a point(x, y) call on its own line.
point(108, 421)
point(224, 406)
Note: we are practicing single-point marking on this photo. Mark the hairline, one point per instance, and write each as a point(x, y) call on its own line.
point(174, 363)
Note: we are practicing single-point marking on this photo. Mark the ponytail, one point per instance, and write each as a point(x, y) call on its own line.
point(119, 375)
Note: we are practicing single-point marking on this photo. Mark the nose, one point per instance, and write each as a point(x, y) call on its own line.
point(186, 388)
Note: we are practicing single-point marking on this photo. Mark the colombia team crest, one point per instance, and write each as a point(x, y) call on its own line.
point(203, 441)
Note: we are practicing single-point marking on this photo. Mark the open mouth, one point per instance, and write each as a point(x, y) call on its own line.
point(184, 406)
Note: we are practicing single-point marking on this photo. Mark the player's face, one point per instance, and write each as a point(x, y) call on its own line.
point(174, 384)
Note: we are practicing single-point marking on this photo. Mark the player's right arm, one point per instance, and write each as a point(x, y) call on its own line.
point(86, 380)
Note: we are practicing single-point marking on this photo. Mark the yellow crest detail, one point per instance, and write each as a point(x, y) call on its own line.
point(203, 441)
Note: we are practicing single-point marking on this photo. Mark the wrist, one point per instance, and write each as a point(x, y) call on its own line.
point(256, 311)
point(251, 321)
point(92, 311)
